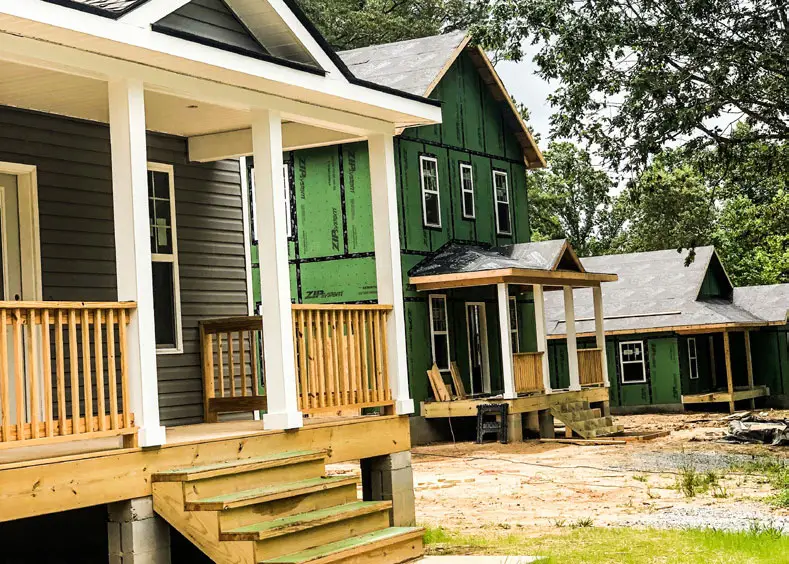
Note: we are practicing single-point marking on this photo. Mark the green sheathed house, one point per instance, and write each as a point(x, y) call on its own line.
point(463, 180)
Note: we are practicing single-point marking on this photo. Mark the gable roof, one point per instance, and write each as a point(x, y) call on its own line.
point(418, 65)
point(107, 8)
point(656, 291)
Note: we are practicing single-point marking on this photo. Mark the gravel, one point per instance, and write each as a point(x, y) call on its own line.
point(675, 461)
point(743, 517)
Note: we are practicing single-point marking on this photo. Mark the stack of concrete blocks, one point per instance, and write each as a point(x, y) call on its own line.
point(390, 478)
point(136, 534)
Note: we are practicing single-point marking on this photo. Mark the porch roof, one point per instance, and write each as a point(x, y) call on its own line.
point(552, 263)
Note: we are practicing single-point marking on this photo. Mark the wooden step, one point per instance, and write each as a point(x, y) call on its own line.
point(268, 493)
point(233, 467)
point(388, 546)
point(303, 521)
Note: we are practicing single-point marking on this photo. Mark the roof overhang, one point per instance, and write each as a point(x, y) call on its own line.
point(681, 329)
point(519, 276)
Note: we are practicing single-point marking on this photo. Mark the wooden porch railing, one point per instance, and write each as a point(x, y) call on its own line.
point(232, 364)
point(341, 357)
point(528, 372)
point(64, 372)
point(590, 367)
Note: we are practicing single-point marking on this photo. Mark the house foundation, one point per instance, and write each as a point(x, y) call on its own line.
point(391, 478)
point(136, 535)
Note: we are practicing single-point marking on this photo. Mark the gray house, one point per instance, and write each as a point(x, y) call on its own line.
point(679, 335)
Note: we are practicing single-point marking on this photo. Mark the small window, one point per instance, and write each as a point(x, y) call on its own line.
point(693, 358)
point(431, 199)
point(288, 213)
point(633, 362)
point(514, 325)
point(439, 331)
point(253, 195)
point(467, 190)
point(501, 191)
point(164, 257)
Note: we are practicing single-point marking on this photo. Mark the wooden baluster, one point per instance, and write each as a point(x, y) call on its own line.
point(335, 360)
point(127, 416)
point(253, 359)
point(353, 375)
point(232, 360)
point(19, 375)
point(345, 329)
point(320, 359)
point(98, 346)
point(306, 401)
point(366, 380)
point(74, 371)
point(327, 359)
point(34, 401)
point(379, 373)
point(60, 367)
point(4, 377)
point(358, 329)
point(46, 363)
point(209, 384)
point(86, 372)
point(221, 359)
point(387, 389)
point(312, 375)
point(112, 374)
point(242, 357)
point(295, 334)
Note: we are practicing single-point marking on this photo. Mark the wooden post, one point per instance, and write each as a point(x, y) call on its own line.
point(542, 335)
point(713, 368)
point(279, 352)
point(507, 368)
point(749, 365)
point(599, 329)
point(729, 378)
point(133, 252)
point(388, 268)
point(572, 343)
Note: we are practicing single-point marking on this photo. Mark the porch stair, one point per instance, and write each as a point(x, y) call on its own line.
point(580, 419)
point(280, 508)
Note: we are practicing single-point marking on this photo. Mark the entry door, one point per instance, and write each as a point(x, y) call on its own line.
point(11, 272)
point(479, 366)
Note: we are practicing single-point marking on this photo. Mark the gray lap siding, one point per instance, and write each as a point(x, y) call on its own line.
point(77, 238)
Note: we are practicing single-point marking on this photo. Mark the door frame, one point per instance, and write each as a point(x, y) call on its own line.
point(29, 231)
point(483, 329)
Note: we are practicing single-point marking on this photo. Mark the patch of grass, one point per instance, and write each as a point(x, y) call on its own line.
point(692, 483)
point(641, 478)
point(776, 472)
point(780, 499)
point(593, 545)
point(583, 523)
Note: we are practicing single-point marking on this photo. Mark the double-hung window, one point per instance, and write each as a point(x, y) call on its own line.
point(439, 331)
point(467, 190)
point(514, 325)
point(164, 257)
point(431, 199)
point(501, 191)
point(633, 362)
point(286, 175)
point(693, 358)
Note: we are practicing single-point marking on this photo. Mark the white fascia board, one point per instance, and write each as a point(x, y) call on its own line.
point(59, 18)
point(151, 12)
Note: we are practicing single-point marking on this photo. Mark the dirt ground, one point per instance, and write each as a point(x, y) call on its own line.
point(534, 487)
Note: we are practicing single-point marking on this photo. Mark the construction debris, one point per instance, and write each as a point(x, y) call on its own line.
point(757, 429)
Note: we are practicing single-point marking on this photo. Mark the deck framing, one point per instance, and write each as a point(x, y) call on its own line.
point(726, 397)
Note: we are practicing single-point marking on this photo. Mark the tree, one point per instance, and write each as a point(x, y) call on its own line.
point(570, 198)
point(350, 24)
point(636, 75)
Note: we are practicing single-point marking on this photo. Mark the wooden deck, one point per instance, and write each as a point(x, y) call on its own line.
point(61, 477)
point(523, 404)
point(726, 397)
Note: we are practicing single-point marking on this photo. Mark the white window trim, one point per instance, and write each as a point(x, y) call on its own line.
point(288, 211)
point(433, 332)
point(622, 362)
point(423, 159)
point(464, 191)
point(496, 201)
point(172, 258)
point(514, 333)
point(693, 359)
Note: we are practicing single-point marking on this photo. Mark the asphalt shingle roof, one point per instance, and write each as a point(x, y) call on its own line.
point(111, 8)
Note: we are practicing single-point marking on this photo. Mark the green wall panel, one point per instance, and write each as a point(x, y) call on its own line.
point(664, 371)
point(358, 197)
point(338, 281)
point(613, 374)
point(418, 347)
point(783, 352)
point(417, 237)
point(483, 188)
point(318, 203)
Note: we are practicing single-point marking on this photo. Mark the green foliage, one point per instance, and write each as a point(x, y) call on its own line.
point(692, 483)
point(636, 75)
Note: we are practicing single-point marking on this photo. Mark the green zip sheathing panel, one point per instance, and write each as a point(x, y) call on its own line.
point(766, 351)
point(338, 281)
point(613, 375)
point(664, 371)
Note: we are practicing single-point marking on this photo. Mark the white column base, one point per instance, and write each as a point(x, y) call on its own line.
point(282, 421)
point(152, 436)
point(575, 388)
point(404, 407)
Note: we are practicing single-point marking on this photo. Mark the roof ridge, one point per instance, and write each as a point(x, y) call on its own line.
point(403, 41)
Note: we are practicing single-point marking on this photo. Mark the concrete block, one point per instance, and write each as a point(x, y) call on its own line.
point(131, 510)
point(515, 428)
point(532, 421)
point(149, 534)
point(114, 538)
point(547, 429)
point(161, 556)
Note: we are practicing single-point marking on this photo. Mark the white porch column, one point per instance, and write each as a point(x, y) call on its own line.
point(542, 335)
point(388, 269)
point(572, 345)
point(507, 370)
point(278, 351)
point(133, 251)
point(599, 330)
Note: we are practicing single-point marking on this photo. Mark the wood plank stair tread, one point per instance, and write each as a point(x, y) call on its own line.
point(302, 521)
point(237, 466)
point(268, 493)
point(342, 549)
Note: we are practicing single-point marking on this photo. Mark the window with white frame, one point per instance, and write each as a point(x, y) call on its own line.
point(514, 325)
point(632, 362)
point(286, 175)
point(439, 331)
point(467, 190)
point(501, 192)
point(431, 199)
point(164, 258)
point(288, 214)
point(693, 358)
